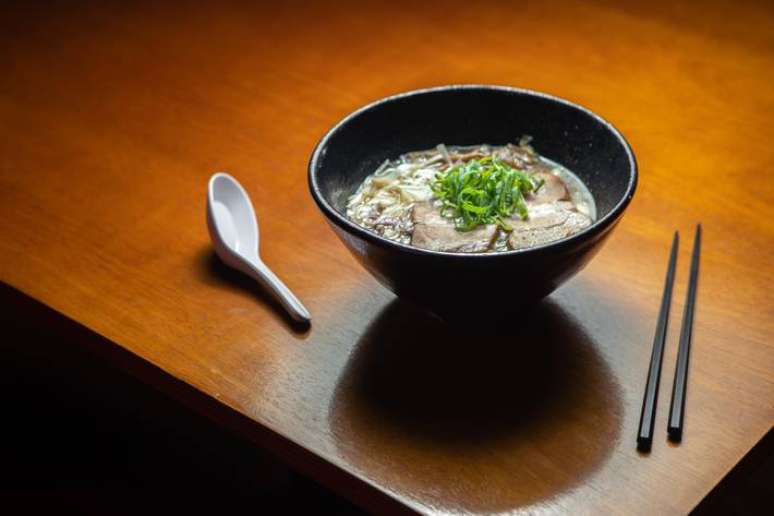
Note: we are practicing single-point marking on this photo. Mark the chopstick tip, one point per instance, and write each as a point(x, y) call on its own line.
point(675, 433)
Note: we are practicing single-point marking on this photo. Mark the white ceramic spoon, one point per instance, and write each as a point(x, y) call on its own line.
point(234, 232)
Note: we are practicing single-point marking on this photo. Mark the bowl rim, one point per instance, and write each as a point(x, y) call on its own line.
point(347, 225)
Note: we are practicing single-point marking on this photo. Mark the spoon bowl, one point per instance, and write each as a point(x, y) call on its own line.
point(234, 232)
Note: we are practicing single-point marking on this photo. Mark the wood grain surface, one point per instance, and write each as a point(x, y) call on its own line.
point(113, 115)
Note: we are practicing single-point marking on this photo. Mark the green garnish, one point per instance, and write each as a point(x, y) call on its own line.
point(483, 191)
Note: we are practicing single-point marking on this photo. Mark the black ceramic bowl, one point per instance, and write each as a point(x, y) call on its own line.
point(448, 283)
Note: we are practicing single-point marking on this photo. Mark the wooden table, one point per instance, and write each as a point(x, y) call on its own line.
point(113, 118)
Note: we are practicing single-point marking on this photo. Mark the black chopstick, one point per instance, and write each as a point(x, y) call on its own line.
point(677, 408)
point(648, 415)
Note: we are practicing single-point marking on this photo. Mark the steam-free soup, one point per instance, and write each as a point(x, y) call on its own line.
point(473, 199)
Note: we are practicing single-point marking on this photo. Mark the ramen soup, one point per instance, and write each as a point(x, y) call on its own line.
point(474, 199)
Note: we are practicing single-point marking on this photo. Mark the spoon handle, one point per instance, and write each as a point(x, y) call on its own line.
point(260, 272)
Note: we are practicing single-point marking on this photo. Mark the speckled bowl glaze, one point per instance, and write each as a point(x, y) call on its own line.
point(451, 283)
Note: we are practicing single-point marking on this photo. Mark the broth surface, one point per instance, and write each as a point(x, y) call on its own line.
point(398, 202)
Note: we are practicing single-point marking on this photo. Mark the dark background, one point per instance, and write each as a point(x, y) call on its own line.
point(80, 436)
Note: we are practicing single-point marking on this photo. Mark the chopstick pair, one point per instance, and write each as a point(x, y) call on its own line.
point(677, 406)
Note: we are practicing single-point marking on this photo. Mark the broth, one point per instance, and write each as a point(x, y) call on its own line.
point(478, 198)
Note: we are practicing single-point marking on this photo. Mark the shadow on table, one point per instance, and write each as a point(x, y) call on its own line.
point(213, 271)
point(486, 421)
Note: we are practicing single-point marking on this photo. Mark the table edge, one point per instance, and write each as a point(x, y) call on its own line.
point(355, 488)
point(358, 490)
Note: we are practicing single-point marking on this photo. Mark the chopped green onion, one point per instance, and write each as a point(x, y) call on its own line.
point(483, 191)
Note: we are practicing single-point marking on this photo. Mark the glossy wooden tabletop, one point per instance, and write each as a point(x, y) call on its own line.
point(113, 116)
